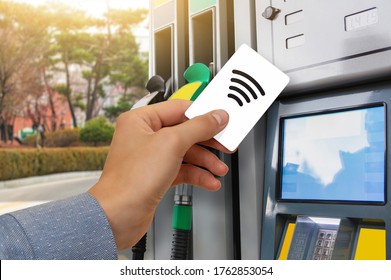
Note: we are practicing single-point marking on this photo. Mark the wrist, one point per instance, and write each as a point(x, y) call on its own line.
point(128, 219)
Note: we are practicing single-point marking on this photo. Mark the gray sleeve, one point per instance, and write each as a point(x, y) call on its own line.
point(71, 229)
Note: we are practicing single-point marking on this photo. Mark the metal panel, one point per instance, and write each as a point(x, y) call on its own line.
point(211, 42)
point(169, 40)
point(327, 43)
point(164, 15)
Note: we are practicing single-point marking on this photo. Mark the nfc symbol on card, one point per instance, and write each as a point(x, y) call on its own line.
point(246, 82)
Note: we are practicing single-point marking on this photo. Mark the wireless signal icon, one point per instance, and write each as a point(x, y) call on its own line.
point(244, 80)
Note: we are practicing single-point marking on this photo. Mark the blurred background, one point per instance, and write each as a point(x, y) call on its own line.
point(65, 63)
point(68, 69)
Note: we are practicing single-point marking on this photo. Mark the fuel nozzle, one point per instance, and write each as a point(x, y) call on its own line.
point(156, 90)
point(181, 222)
point(197, 77)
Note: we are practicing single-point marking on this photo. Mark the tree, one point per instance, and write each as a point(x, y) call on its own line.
point(98, 69)
point(116, 56)
point(24, 37)
point(128, 68)
point(124, 104)
point(97, 131)
point(38, 43)
point(68, 45)
point(106, 55)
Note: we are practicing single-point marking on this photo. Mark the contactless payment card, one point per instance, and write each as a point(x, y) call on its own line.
point(245, 87)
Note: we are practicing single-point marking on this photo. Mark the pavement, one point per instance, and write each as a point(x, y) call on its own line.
point(38, 190)
point(46, 178)
point(27, 192)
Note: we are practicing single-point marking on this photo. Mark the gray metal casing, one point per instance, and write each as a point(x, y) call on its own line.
point(170, 21)
point(330, 58)
point(252, 150)
point(275, 212)
point(170, 49)
point(212, 212)
point(326, 44)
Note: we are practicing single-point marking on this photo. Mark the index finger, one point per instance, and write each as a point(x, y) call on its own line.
point(163, 114)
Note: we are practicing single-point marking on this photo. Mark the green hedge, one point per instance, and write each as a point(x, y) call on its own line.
point(58, 138)
point(62, 138)
point(20, 163)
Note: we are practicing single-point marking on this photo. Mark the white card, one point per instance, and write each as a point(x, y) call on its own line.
point(245, 87)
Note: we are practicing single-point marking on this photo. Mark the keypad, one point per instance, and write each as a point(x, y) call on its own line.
point(324, 244)
point(298, 245)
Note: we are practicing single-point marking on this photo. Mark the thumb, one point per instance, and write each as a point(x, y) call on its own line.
point(202, 128)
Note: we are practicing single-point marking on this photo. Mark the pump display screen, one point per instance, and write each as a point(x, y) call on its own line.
point(335, 156)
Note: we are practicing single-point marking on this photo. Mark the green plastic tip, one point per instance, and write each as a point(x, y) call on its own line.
point(182, 217)
point(197, 72)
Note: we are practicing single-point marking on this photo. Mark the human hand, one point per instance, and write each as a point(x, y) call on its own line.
point(154, 148)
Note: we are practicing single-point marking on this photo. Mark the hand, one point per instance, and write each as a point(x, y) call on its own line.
point(154, 148)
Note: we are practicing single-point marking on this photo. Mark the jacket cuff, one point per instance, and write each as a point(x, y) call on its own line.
point(75, 228)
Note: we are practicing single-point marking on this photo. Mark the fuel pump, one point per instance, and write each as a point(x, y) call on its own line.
point(197, 77)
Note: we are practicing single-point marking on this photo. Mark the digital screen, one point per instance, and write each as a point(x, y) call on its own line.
point(337, 156)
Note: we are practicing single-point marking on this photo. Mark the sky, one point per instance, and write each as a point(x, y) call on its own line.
point(95, 7)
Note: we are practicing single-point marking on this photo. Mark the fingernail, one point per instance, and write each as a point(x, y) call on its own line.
point(221, 116)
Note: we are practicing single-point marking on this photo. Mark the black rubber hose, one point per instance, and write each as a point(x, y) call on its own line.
point(140, 248)
point(180, 244)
